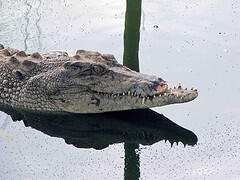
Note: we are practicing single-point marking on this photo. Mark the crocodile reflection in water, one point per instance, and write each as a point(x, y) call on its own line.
point(98, 131)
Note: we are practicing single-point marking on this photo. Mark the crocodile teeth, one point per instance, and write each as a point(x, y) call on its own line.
point(143, 100)
point(123, 94)
point(179, 86)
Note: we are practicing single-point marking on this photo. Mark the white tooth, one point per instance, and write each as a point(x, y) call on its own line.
point(129, 93)
point(132, 94)
point(179, 86)
point(123, 94)
point(160, 95)
point(154, 96)
point(143, 100)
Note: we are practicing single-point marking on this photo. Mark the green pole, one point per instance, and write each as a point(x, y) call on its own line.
point(131, 60)
point(132, 34)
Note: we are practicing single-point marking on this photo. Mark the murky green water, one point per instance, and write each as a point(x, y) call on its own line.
point(195, 43)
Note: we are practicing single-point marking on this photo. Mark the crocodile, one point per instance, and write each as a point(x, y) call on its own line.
point(87, 82)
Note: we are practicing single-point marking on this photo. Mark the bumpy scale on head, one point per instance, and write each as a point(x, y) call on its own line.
point(16, 70)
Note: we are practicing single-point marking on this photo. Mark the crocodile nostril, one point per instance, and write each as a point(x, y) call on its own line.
point(160, 86)
point(159, 82)
point(160, 79)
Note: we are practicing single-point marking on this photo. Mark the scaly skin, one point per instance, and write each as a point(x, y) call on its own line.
point(88, 82)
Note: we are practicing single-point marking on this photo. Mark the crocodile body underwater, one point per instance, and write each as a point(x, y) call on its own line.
point(88, 82)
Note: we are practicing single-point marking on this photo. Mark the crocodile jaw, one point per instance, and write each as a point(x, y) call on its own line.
point(86, 102)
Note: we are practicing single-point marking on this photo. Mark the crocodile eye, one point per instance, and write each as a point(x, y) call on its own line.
point(98, 69)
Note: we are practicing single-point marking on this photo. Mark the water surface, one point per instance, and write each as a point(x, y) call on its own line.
point(195, 43)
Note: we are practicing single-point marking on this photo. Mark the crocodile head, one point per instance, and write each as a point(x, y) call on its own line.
point(93, 83)
point(90, 82)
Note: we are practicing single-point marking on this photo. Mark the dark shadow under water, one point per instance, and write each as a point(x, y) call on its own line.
point(98, 131)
